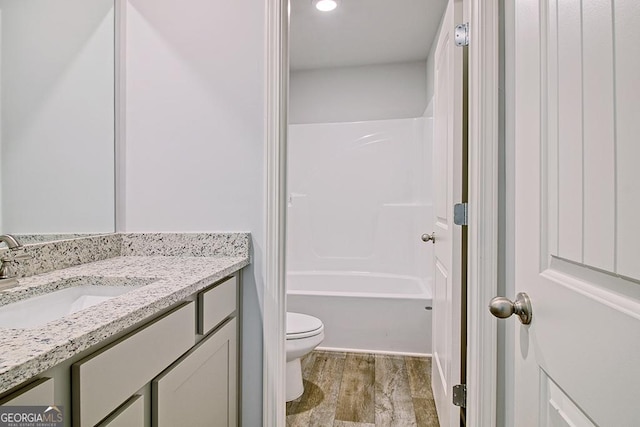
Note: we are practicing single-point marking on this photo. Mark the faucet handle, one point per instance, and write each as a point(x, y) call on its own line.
point(9, 268)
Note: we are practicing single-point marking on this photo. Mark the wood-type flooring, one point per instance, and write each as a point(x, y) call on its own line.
point(364, 390)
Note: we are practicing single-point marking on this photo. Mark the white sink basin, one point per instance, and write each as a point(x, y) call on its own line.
point(39, 310)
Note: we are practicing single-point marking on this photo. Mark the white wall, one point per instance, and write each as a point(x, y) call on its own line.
point(57, 78)
point(195, 137)
point(349, 94)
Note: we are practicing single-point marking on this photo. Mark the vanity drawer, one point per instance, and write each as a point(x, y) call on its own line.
point(216, 304)
point(37, 393)
point(102, 381)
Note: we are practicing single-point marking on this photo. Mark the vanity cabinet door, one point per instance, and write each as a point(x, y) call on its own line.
point(200, 389)
point(130, 414)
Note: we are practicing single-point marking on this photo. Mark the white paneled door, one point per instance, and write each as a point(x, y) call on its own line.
point(447, 179)
point(577, 162)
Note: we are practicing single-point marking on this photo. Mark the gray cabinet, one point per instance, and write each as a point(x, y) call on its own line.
point(105, 379)
point(200, 389)
point(179, 368)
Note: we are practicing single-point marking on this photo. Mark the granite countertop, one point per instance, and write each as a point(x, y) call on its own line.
point(25, 353)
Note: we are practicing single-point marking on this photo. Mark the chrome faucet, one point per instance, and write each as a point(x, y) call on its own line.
point(8, 270)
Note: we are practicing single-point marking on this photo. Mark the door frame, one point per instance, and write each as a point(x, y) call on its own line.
point(483, 128)
point(482, 264)
point(274, 307)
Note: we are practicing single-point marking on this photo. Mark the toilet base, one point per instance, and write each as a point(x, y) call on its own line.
point(294, 388)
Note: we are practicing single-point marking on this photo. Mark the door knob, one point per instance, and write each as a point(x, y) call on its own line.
point(502, 307)
point(429, 237)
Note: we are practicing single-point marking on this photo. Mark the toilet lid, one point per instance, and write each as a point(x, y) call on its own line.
point(302, 325)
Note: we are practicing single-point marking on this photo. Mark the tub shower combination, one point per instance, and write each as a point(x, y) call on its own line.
point(359, 199)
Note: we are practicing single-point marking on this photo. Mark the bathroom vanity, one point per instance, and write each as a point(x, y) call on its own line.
point(154, 340)
point(164, 353)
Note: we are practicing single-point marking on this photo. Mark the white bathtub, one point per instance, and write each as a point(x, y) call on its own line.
point(365, 312)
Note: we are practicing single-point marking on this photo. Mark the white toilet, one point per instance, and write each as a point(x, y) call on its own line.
point(304, 333)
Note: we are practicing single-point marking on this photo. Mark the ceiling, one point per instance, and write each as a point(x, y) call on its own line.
point(362, 32)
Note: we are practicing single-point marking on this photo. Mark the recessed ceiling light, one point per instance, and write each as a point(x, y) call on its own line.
point(325, 5)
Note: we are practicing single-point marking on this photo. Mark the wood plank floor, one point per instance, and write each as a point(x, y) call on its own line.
point(364, 390)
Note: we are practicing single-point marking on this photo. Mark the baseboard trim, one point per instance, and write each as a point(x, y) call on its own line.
point(359, 350)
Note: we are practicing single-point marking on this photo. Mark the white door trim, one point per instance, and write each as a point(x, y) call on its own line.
point(120, 95)
point(274, 301)
point(482, 16)
point(482, 268)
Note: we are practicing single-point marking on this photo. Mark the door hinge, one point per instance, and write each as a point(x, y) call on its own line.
point(461, 34)
point(461, 214)
point(460, 395)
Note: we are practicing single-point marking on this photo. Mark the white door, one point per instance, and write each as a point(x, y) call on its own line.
point(577, 163)
point(447, 168)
